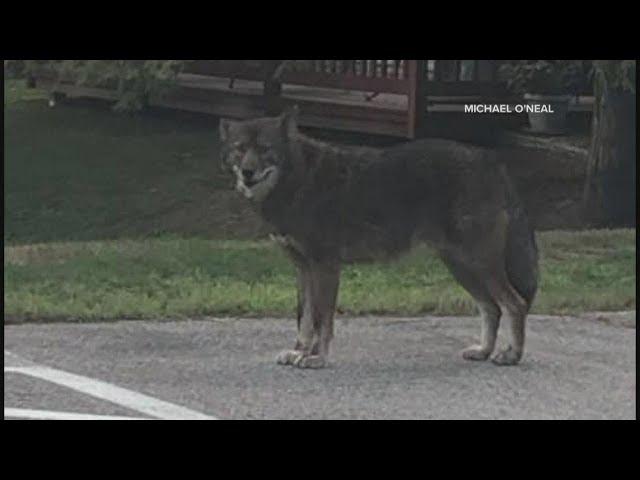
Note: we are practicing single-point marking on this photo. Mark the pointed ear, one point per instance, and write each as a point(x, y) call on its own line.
point(224, 129)
point(289, 121)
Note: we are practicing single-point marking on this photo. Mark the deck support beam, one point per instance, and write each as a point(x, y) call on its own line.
point(417, 104)
point(272, 88)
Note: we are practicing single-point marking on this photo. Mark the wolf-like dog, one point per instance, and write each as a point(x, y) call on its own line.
point(330, 206)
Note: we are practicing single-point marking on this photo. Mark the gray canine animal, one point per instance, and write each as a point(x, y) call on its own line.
point(336, 205)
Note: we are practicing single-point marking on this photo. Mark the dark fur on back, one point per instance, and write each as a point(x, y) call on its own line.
point(361, 203)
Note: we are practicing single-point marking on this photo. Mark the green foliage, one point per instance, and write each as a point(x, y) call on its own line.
point(135, 81)
point(553, 77)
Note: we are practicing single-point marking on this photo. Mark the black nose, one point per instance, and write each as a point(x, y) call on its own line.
point(248, 174)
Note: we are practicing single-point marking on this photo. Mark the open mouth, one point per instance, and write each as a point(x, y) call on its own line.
point(263, 176)
point(254, 187)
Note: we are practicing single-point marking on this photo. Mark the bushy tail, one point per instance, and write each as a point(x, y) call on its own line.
point(521, 248)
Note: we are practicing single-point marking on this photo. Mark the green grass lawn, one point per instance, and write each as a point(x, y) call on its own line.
point(110, 216)
point(592, 270)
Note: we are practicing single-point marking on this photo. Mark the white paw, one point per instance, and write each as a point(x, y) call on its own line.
point(310, 361)
point(509, 356)
point(475, 352)
point(288, 357)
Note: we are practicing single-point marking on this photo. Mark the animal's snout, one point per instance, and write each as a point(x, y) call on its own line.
point(247, 174)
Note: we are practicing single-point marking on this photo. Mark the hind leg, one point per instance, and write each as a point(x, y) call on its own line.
point(515, 308)
point(472, 282)
point(512, 354)
point(490, 316)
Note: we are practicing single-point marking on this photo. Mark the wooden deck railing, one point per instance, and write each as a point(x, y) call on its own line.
point(385, 76)
point(419, 80)
point(408, 89)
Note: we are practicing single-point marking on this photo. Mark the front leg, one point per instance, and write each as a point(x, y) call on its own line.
point(318, 313)
point(305, 325)
point(317, 294)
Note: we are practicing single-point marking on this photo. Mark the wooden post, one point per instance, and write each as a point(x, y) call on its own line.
point(272, 88)
point(417, 111)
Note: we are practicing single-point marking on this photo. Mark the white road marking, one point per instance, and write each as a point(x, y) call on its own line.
point(28, 414)
point(112, 393)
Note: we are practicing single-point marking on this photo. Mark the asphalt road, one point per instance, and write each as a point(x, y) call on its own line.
point(381, 368)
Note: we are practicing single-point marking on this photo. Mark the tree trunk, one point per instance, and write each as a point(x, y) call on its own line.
point(609, 198)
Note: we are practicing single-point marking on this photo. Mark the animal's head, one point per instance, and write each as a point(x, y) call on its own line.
point(257, 152)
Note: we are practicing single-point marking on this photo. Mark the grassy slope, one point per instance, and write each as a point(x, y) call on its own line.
point(127, 216)
point(83, 173)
